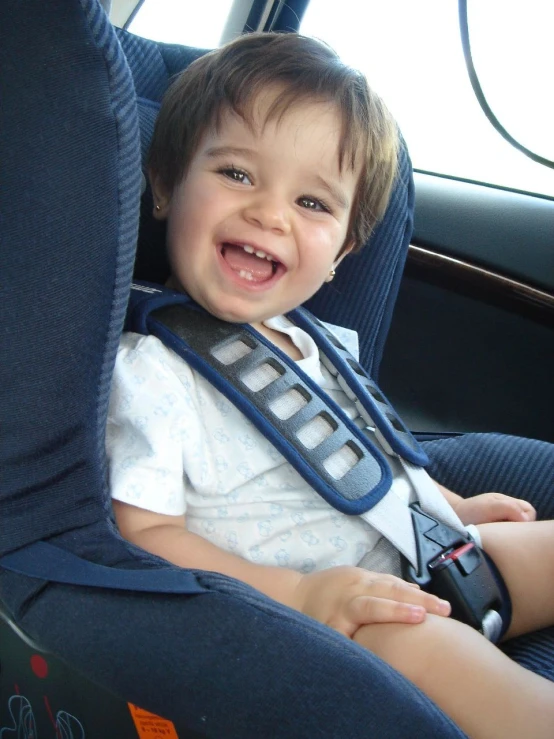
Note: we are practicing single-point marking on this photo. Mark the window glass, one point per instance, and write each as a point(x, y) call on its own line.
point(411, 53)
point(198, 24)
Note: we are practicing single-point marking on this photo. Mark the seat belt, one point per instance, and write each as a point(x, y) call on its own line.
point(46, 561)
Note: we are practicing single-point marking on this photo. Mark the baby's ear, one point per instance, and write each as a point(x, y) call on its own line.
point(161, 197)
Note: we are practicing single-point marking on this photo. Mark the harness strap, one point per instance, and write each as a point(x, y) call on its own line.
point(370, 401)
point(207, 343)
point(48, 562)
point(343, 465)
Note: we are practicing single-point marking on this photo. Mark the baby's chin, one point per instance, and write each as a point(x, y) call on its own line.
point(231, 315)
point(225, 312)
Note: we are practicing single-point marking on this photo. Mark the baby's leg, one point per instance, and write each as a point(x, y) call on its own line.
point(524, 554)
point(487, 694)
point(483, 691)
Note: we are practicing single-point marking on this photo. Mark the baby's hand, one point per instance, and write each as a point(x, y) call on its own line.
point(345, 598)
point(490, 507)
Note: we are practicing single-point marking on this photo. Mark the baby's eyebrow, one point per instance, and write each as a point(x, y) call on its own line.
point(227, 151)
point(335, 192)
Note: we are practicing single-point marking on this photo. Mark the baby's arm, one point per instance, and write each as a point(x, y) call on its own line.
point(488, 507)
point(168, 537)
point(341, 597)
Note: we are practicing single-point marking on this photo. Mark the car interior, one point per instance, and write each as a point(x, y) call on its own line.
point(453, 301)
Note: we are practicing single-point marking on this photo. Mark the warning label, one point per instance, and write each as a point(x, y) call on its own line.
point(150, 726)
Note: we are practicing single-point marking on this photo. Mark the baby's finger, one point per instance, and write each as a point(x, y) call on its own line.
point(365, 609)
point(499, 507)
point(528, 510)
point(394, 589)
point(510, 509)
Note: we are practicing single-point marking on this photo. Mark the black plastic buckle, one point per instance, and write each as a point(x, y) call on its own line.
point(454, 568)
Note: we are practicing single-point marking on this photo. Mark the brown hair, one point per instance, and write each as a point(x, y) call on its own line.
point(230, 78)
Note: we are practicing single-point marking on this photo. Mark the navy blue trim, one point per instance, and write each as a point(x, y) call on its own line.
point(316, 390)
point(143, 299)
point(412, 453)
point(48, 562)
point(127, 164)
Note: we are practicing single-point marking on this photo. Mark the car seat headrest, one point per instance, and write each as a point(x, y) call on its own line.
point(153, 66)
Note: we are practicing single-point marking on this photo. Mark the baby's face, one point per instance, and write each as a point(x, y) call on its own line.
point(258, 221)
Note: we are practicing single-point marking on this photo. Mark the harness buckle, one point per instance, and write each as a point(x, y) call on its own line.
point(454, 568)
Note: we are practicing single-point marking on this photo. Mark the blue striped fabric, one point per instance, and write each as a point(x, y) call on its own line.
point(147, 112)
point(154, 64)
point(70, 181)
point(477, 463)
point(534, 651)
point(128, 164)
point(150, 73)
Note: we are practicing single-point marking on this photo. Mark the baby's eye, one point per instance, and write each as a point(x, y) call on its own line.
point(235, 174)
point(313, 204)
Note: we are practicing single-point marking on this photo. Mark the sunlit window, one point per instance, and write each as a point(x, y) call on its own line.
point(410, 51)
point(198, 24)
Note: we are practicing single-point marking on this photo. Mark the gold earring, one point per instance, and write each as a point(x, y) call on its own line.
point(330, 276)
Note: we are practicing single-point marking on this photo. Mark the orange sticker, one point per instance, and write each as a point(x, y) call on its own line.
point(150, 726)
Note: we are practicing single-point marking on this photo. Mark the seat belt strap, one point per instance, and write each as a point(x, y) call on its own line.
point(433, 504)
point(370, 401)
point(48, 562)
point(392, 518)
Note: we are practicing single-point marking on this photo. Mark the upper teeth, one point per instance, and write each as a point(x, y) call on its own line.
point(258, 252)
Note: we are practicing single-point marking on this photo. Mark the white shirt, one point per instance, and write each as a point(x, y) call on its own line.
point(177, 446)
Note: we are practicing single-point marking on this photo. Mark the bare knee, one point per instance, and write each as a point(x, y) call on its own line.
point(467, 676)
point(415, 650)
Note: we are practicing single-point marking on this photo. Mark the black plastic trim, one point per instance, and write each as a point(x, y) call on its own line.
point(509, 232)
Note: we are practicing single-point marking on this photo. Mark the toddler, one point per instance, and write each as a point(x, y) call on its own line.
point(271, 162)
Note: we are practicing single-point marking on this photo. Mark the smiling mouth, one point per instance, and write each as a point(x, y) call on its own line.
point(252, 265)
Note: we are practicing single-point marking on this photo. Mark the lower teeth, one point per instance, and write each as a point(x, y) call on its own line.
point(246, 275)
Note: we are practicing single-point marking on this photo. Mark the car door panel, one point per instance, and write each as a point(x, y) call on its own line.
point(471, 346)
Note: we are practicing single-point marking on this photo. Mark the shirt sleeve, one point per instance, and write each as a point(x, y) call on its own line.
point(148, 405)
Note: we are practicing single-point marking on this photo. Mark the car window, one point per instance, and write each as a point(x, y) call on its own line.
point(178, 22)
point(412, 55)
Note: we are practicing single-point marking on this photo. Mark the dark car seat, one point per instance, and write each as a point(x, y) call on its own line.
point(84, 607)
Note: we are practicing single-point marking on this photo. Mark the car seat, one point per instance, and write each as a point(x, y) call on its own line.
point(70, 200)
